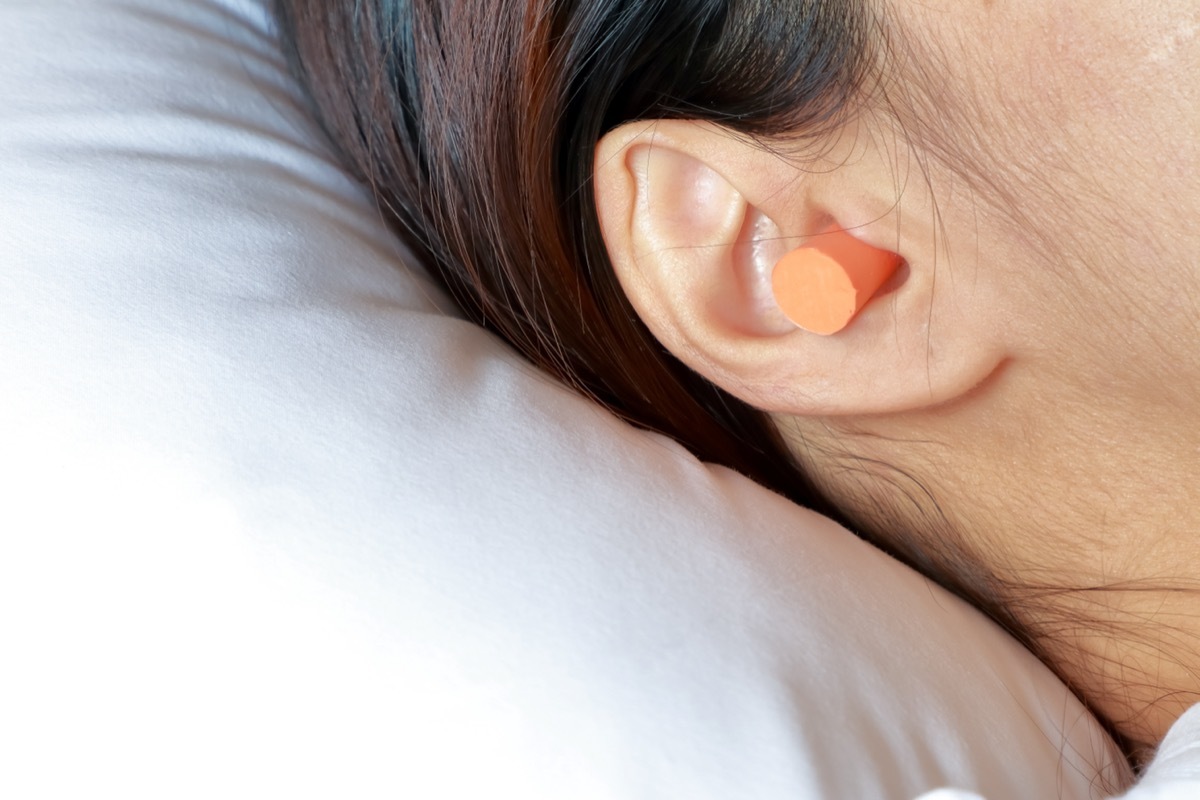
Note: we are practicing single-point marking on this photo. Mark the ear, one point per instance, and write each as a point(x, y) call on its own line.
point(695, 218)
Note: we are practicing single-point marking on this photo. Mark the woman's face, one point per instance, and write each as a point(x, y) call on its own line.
point(1081, 122)
point(1060, 144)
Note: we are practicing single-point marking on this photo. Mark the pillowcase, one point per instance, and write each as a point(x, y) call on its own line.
point(277, 523)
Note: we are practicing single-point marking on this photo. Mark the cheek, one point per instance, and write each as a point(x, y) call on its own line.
point(1114, 143)
point(1114, 79)
point(1084, 117)
point(1076, 126)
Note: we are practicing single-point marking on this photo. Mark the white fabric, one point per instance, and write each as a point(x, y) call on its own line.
point(274, 526)
point(1175, 772)
point(1173, 775)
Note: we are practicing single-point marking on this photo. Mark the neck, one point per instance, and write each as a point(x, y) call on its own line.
point(1130, 649)
point(1082, 523)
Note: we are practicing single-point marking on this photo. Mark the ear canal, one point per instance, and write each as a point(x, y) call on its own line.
point(823, 285)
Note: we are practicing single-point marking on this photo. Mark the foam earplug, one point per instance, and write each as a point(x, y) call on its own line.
point(824, 284)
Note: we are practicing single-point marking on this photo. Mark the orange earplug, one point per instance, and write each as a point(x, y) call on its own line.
point(824, 284)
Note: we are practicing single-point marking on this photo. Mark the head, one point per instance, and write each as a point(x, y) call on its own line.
point(609, 184)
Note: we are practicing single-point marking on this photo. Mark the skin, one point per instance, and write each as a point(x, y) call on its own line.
point(1066, 173)
point(1018, 408)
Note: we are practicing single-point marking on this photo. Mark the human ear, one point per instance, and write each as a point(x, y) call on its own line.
point(695, 219)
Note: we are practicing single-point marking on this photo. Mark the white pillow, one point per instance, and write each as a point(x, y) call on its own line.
point(275, 526)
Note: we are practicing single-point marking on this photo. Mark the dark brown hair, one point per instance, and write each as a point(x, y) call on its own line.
point(475, 123)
